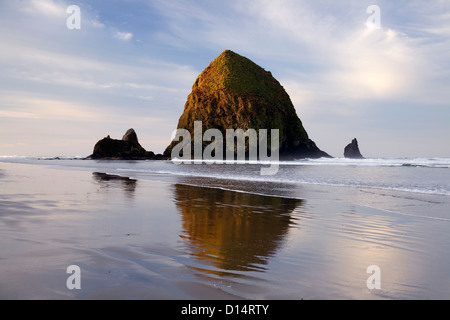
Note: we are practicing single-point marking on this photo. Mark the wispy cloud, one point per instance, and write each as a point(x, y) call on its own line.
point(331, 40)
point(124, 36)
point(39, 65)
point(49, 8)
point(41, 108)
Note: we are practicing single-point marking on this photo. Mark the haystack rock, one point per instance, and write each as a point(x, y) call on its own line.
point(235, 93)
point(127, 149)
point(352, 150)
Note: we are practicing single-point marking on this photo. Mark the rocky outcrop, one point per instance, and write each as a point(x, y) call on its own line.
point(126, 149)
point(352, 150)
point(131, 137)
point(235, 93)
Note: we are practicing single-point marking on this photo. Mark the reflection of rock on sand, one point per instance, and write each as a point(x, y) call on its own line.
point(232, 230)
point(127, 184)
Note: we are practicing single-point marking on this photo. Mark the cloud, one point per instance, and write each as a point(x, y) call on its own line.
point(42, 108)
point(39, 108)
point(352, 59)
point(124, 36)
point(39, 65)
point(59, 80)
point(329, 41)
point(332, 55)
point(372, 64)
point(337, 49)
point(334, 68)
point(32, 124)
point(49, 8)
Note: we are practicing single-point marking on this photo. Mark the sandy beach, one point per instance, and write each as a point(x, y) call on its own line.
point(150, 239)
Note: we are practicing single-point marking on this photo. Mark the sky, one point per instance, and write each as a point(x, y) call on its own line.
point(378, 71)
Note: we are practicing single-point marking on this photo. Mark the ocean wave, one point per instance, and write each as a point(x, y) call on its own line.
point(290, 181)
point(336, 172)
point(382, 162)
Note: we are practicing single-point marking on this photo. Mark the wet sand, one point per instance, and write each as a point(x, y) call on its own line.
point(139, 239)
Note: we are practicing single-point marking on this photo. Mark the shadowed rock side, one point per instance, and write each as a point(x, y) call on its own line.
point(235, 93)
point(126, 149)
point(352, 150)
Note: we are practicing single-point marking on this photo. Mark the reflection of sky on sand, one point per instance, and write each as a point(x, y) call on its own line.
point(342, 240)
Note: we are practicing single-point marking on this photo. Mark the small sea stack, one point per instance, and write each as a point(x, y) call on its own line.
point(128, 148)
point(351, 151)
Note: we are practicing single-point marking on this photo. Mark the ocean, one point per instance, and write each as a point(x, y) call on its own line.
point(420, 179)
point(419, 175)
point(162, 230)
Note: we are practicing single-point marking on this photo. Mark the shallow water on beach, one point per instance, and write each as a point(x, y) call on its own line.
point(141, 230)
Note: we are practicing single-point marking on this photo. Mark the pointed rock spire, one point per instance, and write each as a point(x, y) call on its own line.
point(352, 150)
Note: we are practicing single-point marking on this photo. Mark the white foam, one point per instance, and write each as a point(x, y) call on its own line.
point(407, 214)
point(293, 181)
point(431, 182)
point(382, 162)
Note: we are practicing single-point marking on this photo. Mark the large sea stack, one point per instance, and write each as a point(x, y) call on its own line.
point(235, 93)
